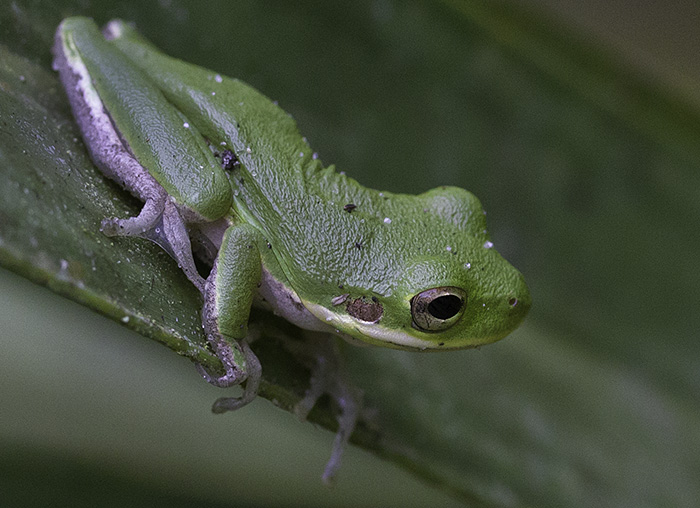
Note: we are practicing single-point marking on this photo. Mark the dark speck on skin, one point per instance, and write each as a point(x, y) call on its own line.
point(229, 161)
point(349, 207)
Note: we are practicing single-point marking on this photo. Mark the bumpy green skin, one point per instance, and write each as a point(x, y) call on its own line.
point(323, 251)
point(386, 249)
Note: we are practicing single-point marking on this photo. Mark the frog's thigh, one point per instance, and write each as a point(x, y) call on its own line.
point(114, 160)
point(110, 154)
point(231, 286)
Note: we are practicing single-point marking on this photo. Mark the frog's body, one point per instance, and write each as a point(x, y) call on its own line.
point(321, 249)
point(400, 271)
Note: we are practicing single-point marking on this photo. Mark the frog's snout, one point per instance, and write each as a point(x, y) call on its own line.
point(518, 304)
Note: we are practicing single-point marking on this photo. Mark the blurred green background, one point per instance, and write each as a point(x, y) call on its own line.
point(576, 124)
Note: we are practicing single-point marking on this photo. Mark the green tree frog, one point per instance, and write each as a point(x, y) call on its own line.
point(222, 169)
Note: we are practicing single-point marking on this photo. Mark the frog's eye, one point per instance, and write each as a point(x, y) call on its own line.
point(438, 308)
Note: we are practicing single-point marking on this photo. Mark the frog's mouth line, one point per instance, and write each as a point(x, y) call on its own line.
point(369, 333)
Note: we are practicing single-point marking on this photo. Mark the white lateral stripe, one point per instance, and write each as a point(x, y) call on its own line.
point(370, 330)
point(84, 87)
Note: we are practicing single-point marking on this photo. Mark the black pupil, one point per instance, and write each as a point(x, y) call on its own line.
point(445, 307)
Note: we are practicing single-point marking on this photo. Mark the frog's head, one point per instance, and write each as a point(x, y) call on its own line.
point(440, 306)
point(452, 290)
point(443, 303)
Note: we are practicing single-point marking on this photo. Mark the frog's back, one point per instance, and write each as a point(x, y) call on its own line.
point(229, 113)
point(305, 211)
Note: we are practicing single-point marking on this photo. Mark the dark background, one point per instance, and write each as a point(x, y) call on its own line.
point(580, 138)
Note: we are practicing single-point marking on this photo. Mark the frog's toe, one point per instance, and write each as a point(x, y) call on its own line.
point(226, 404)
point(234, 375)
point(328, 376)
point(350, 402)
point(135, 226)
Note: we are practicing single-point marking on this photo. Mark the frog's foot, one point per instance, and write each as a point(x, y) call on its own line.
point(160, 222)
point(150, 215)
point(328, 376)
point(240, 364)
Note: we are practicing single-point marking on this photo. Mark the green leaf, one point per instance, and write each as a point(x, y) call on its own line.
point(590, 174)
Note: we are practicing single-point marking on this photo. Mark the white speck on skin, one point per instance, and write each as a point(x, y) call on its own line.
point(213, 93)
point(448, 248)
point(249, 150)
point(314, 156)
point(488, 245)
point(218, 78)
point(125, 319)
point(387, 220)
point(338, 300)
point(467, 266)
point(301, 154)
point(186, 125)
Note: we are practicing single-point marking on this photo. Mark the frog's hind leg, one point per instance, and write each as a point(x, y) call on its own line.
point(108, 150)
point(159, 221)
point(119, 165)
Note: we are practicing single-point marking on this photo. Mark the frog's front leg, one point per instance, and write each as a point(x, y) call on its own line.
point(328, 376)
point(228, 296)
